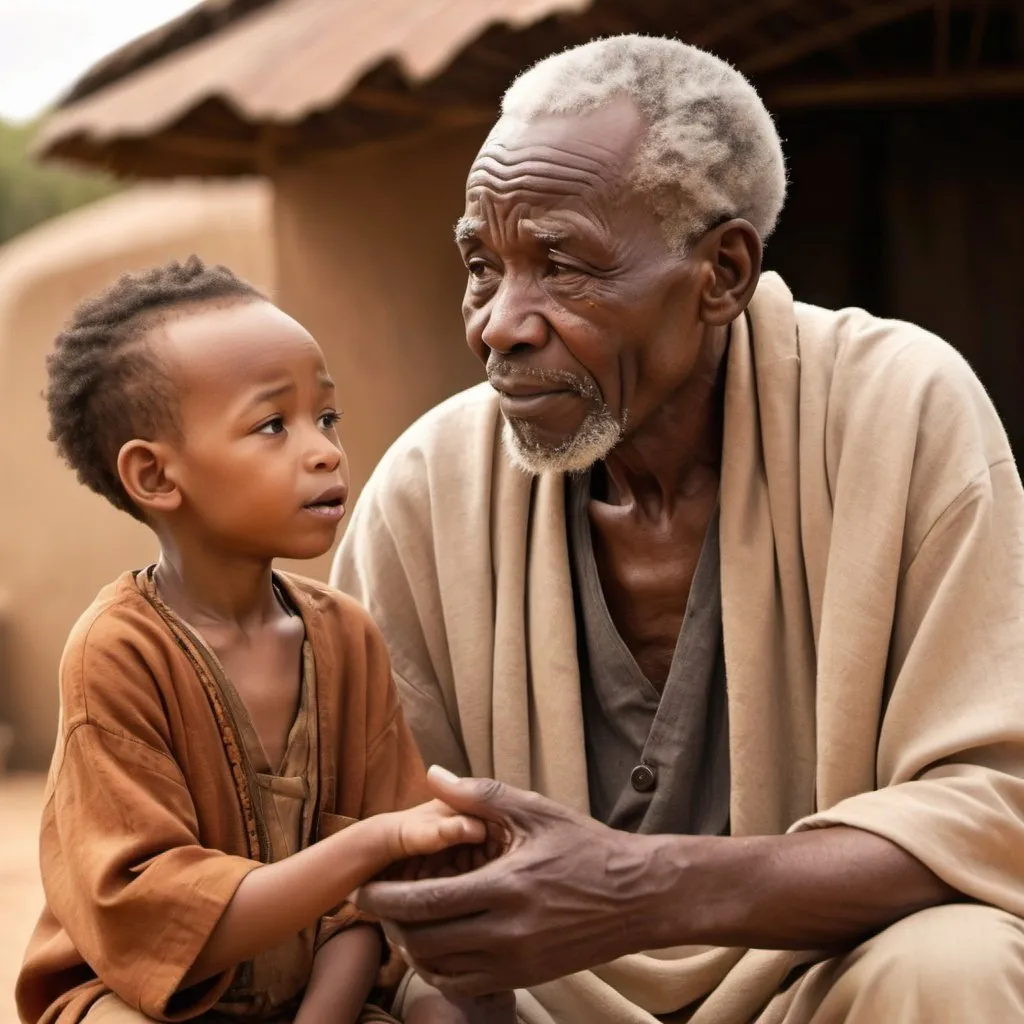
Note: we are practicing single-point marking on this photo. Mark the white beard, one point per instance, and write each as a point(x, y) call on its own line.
point(593, 440)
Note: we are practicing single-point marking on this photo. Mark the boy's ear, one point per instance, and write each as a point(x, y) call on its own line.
point(146, 474)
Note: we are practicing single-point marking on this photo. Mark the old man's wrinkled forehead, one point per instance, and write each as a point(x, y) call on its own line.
point(571, 161)
point(708, 151)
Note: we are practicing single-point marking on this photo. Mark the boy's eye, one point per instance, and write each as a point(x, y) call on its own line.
point(329, 420)
point(274, 426)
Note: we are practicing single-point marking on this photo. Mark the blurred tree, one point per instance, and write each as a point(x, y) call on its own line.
point(30, 192)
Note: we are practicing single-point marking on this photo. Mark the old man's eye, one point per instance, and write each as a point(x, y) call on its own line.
point(478, 269)
point(556, 269)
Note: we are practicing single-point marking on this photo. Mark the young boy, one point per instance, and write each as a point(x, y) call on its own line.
point(232, 760)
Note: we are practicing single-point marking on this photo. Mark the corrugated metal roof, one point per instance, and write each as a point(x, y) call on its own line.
point(237, 86)
point(202, 19)
point(280, 62)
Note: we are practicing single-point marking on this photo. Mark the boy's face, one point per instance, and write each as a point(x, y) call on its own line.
point(259, 466)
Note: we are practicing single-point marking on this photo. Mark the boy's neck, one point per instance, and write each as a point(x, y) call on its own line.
point(210, 591)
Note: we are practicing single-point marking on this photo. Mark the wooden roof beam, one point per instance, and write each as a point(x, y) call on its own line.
point(940, 50)
point(202, 147)
point(385, 102)
point(735, 22)
point(977, 39)
point(832, 34)
point(958, 85)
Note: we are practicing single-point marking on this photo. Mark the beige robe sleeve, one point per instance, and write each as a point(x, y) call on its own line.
point(950, 759)
point(125, 873)
point(371, 566)
point(395, 773)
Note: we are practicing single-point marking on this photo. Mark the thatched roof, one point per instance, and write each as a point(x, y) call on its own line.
point(235, 86)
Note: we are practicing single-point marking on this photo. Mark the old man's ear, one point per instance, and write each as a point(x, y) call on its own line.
point(144, 472)
point(731, 258)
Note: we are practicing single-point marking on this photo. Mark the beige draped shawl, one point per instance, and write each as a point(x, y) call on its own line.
point(872, 531)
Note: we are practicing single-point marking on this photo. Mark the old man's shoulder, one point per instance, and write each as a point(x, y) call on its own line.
point(881, 351)
point(901, 411)
point(452, 439)
point(878, 367)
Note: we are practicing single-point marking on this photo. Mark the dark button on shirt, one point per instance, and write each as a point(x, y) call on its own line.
point(643, 778)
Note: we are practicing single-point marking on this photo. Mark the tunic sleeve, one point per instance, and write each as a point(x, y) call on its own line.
point(125, 873)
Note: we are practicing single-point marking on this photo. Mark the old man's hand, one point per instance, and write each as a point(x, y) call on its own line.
point(566, 894)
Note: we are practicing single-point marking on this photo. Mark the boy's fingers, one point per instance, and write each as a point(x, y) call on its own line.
point(462, 829)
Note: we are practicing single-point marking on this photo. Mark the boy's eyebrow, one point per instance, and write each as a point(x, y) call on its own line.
point(270, 393)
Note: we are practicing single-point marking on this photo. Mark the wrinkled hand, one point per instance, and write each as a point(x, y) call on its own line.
point(557, 900)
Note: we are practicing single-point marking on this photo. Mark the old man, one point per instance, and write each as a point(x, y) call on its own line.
point(724, 590)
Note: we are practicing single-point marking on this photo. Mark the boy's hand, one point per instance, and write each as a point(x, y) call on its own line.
point(454, 860)
point(427, 829)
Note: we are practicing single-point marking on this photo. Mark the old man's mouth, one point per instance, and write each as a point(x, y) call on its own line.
point(534, 402)
point(554, 398)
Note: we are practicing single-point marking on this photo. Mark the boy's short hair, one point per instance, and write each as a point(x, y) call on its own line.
point(107, 386)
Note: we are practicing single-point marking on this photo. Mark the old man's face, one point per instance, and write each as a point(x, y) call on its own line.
point(584, 317)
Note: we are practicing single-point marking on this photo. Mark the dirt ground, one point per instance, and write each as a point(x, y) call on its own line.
point(20, 891)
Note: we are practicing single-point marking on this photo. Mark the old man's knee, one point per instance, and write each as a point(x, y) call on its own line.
point(945, 957)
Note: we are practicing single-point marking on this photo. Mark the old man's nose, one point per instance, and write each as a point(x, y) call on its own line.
point(513, 321)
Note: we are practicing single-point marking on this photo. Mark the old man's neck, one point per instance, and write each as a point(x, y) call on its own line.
point(676, 452)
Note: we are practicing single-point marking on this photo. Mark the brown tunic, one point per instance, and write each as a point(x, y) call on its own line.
point(270, 986)
point(155, 807)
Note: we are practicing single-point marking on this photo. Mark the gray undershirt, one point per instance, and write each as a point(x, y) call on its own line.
point(656, 762)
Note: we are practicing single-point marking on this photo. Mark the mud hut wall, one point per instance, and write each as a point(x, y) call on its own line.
point(367, 262)
point(59, 543)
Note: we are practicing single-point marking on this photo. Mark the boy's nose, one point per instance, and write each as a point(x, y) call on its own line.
point(329, 460)
point(326, 455)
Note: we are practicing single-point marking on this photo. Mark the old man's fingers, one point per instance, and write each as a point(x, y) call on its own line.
point(469, 974)
point(511, 810)
point(425, 900)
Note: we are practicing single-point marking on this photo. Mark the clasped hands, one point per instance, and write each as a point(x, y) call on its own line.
point(542, 897)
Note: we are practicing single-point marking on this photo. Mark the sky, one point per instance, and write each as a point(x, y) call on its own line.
point(45, 45)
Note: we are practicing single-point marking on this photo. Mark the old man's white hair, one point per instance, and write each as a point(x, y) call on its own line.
point(710, 152)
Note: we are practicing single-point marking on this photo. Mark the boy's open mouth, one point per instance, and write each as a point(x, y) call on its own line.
point(331, 502)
